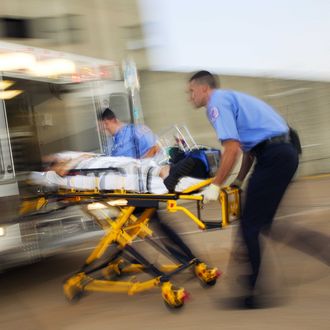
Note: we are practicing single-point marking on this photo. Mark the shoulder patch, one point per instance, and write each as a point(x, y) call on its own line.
point(214, 113)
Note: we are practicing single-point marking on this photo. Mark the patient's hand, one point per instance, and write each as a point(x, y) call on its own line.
point(164, 171)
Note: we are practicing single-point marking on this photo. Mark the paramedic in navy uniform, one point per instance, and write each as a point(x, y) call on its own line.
point(129, 140)
point(245, 123)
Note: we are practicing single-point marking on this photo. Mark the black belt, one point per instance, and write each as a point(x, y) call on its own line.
point(284, 138)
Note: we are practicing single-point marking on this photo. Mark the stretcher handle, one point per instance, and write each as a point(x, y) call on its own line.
point(191, 197)
point(198, 186)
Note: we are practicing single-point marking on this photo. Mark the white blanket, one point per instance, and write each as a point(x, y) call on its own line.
point(111, 173)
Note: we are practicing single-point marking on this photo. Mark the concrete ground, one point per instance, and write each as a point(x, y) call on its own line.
point(296, 269)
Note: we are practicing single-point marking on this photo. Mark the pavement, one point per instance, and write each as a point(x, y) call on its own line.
point(296, 276)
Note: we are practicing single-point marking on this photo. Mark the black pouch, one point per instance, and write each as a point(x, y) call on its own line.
point(295, 140)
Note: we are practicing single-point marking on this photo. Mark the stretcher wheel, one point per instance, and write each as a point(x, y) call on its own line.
point(208, 276)
point(73, 295)
point(211, 282)
point(72, 290)
point(173, 307)
point(173, 297)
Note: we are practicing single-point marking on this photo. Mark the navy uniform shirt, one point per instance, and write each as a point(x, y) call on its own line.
point(131, 141)
point(238, 116)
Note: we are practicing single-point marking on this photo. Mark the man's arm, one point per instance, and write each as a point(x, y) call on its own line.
point(228, 160)
point(247, 162)
point(152, 151)
point(146, 141)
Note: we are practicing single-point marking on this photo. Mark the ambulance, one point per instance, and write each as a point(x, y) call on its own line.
point(51, 101)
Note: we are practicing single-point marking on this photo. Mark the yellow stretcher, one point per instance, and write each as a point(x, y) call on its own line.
point(114, 256)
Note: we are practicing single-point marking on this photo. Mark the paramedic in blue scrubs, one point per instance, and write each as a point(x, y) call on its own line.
point(129, 140)
point(245, 123)
point(138, 141)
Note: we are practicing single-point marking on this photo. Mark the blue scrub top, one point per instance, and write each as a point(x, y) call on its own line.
point(131, 141)
point(238, 116)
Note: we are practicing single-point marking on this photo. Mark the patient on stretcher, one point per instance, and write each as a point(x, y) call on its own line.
point(187, 164)
point(88, 171)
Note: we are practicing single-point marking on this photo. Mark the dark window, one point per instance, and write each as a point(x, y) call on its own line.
point(16, 27)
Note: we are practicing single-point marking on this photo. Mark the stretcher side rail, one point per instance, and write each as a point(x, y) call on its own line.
point(229, 201)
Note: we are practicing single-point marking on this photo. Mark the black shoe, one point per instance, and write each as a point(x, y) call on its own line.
point(251, 302)
point(243, 302)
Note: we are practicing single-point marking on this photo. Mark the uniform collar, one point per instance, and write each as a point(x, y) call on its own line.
point(212, 96)
point(120, 131)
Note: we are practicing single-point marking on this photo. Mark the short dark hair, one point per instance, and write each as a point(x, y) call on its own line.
point(108, 114)
point(205, 77)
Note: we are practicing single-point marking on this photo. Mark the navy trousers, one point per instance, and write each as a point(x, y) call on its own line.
point(275, 166)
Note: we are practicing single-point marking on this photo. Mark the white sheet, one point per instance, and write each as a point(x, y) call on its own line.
point(126, 173)
point(108, 181)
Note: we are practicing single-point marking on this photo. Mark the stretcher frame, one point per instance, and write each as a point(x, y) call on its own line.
point(124, 229)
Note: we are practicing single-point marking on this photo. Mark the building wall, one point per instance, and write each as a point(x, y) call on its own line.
point(97, 28)
point(304, 104)
point(111, 29)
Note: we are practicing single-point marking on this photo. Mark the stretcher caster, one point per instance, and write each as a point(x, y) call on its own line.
point(173, 297)
point(73, 294)
point(208, 276)
point(72, 290)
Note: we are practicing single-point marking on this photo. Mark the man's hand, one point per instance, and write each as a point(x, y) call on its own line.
point(211, 193)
